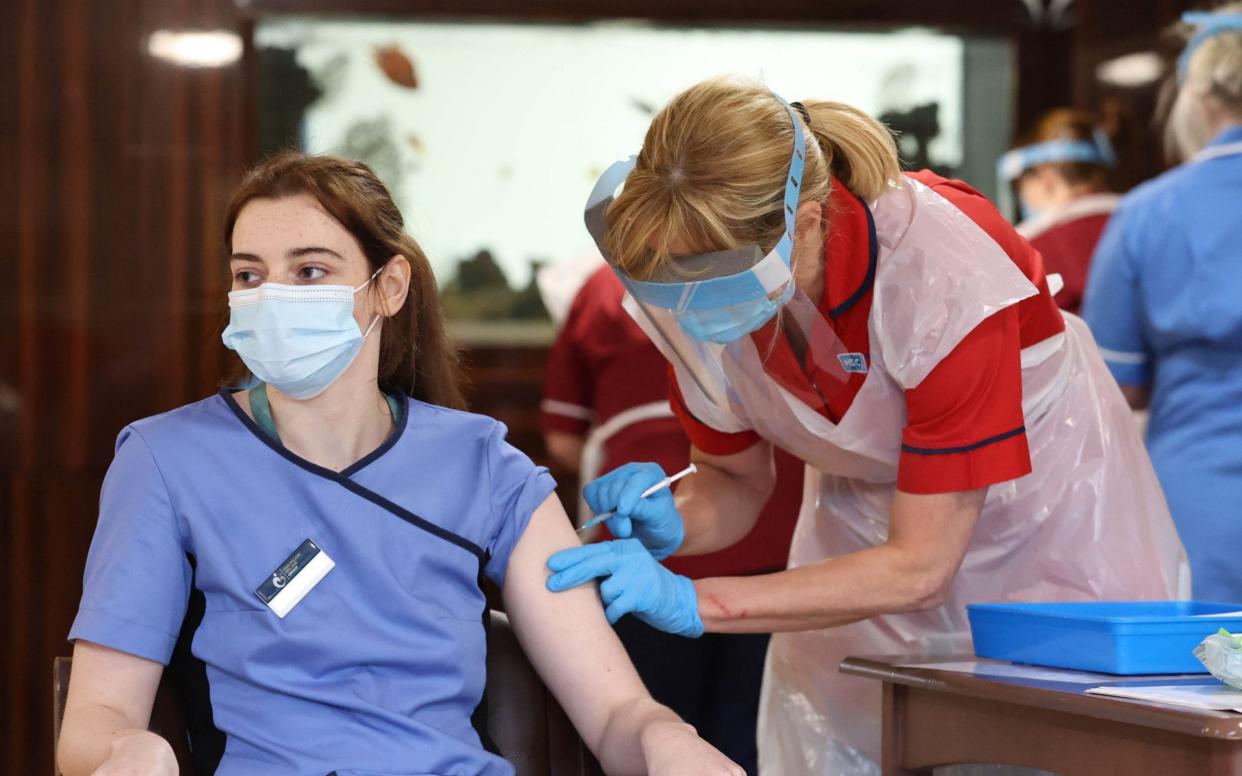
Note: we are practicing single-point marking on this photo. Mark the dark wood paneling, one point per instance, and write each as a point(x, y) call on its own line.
point(1107, 30)
point(116, 166)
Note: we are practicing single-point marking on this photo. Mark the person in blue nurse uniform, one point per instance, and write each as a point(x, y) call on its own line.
point(1164, 300)
point(329, 528)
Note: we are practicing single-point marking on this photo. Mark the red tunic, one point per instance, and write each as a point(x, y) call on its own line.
point(964, 423)
point(1066, 239)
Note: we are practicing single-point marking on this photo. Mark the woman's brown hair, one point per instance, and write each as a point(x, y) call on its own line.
point(416, 356)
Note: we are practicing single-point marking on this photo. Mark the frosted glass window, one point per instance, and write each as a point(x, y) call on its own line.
point(491, 135)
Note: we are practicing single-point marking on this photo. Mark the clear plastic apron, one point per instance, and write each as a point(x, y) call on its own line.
point(1089, 522)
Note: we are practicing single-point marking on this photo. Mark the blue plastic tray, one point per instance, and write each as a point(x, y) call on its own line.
point(1127, 638)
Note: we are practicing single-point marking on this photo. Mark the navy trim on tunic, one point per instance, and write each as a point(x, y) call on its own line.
point(342, 478)
point(966, 448)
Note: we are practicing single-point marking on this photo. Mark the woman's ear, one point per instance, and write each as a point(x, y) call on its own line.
point(393, 286)
point(809, 221)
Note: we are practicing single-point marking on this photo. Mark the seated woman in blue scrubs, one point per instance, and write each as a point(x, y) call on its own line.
point(329, 528)
point(1164, 301)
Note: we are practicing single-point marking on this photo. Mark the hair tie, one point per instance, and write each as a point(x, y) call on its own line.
point(802, 111)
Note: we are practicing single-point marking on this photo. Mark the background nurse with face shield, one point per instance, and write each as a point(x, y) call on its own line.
point(963, 440)
point(1060, 176)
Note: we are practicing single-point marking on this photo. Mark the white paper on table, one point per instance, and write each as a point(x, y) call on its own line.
point(1010, 670)
point(1214, 697)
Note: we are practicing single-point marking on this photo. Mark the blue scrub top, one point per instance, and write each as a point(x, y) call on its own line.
point(1164, 300)
point(378, 669)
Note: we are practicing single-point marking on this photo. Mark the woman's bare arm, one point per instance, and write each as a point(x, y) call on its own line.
point(722, 501)
point(575, 650)
point(107, 713)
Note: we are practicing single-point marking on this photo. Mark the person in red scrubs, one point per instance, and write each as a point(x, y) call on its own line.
point(606, 403)
point(1061, 178)
point(964, 440)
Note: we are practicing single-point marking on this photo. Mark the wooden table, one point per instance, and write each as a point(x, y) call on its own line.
point(939, 717)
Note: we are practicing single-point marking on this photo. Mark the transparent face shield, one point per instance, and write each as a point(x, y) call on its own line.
point(1011, 165)
point(738, 305)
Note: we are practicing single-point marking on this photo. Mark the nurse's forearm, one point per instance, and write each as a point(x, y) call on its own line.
point(836, 591)
point(927, 539)
point(722, 501)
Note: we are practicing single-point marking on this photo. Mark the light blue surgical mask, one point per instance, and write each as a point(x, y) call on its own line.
point(723, 325)
point(298, 339)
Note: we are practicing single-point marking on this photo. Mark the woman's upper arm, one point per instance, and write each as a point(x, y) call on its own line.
point(932, 532)
point(565, 635)
point(752, 465)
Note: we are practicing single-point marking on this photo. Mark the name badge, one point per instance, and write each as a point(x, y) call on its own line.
point(854, 363)
point(285, 587)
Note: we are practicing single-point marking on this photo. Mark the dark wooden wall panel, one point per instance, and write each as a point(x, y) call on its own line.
point(116, 168)
point(1106, 30)
point(114, 171)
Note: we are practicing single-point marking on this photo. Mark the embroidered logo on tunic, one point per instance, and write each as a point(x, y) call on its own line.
point(854, 363)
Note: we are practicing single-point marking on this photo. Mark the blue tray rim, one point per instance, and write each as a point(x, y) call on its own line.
point(1030, 609)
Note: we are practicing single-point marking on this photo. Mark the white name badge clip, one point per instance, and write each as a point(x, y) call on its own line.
point(285, 587)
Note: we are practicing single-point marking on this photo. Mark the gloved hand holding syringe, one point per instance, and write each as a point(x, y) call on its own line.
point(636, 502)
point(661, 485)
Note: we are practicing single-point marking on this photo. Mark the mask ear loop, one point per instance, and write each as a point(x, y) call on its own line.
point(376, 319)
point(374, 275)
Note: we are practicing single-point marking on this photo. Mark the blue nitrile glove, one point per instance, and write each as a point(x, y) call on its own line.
point(636, 584)
point(654, 520)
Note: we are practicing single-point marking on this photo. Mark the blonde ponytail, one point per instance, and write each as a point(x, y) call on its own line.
point(1216, 66)
point(1214, 73)
point(711, 173)
point(861, 151)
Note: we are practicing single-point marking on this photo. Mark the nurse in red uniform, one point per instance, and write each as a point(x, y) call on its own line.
point(963, 439)
point(1061, 178)
point(606, 403)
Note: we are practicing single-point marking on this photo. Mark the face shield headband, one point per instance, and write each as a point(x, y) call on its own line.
point(709, 281)
point(1097, 150)
point(1210, 25)
point(1013, 164)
